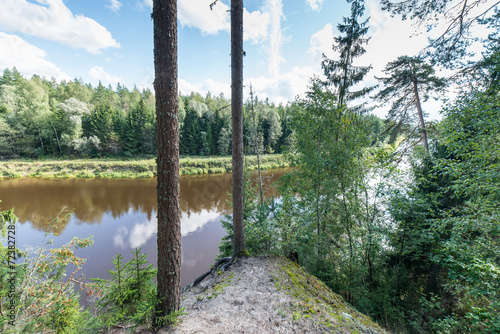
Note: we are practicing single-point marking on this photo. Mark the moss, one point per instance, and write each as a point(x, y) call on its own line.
point(315, 300)
point(245, 253)
point(217, 288)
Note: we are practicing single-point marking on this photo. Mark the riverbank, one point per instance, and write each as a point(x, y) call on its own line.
point(115, 168)
point(265, 295)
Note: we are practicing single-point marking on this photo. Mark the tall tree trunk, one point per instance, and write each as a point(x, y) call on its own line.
point(350, 238)
point(167, 114)
point(57, 137)
point(400, 261)
point(237, 122)
point(40, 136)
point(256, 147)
point(420, 114)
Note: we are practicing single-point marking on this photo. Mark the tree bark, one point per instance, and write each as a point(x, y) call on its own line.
point(256, 147)
point(237, 122)
point(167, 114)
point(420, 114)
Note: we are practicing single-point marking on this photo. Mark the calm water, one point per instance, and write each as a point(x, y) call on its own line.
point(121, 215)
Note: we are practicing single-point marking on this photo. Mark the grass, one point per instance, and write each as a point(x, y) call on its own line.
point(115, 168)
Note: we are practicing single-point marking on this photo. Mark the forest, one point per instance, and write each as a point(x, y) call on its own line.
point(44, 118)
point(399, 216)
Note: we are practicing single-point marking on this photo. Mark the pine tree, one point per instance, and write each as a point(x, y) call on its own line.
point(167, 114)
point(408, 83)
point(237, 122)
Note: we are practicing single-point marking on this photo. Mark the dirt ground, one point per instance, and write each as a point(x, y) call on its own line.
point(265, 295)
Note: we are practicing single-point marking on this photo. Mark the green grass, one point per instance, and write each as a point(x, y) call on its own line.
point(115, 168)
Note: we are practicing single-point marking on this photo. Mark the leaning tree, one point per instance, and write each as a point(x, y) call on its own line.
point(407, 85)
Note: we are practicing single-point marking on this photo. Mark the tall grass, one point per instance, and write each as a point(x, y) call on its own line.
point(114, 168)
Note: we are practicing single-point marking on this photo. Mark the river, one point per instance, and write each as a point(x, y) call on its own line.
point(120, 214)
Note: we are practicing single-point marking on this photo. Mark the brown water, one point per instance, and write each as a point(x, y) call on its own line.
point(121, 215)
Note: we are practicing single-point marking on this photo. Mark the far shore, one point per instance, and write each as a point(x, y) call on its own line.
point(132, 168)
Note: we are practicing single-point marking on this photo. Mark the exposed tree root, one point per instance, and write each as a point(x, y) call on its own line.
point(222, 264)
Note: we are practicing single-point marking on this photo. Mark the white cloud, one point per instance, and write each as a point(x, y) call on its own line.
point(255, 25)
point(321, 43)
point(208, 85)
point(282, 88)
point(275, 8)
point(315, 4)
point(52, 20)
point(379, 19)
point(142, 4)
point(27, 58)
point(197, 14)
point(98, 73)
point(114, 5)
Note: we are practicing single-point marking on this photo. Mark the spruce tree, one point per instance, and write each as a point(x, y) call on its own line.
point(342, 74)
point(100, 124)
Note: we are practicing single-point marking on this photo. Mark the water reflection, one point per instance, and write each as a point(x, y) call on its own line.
point(121, 215)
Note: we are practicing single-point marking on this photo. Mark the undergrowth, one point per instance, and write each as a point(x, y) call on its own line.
point(39, 295)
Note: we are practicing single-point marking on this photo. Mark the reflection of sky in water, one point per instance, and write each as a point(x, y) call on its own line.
point(141, 232)
point(121, 216)
point(201, 235)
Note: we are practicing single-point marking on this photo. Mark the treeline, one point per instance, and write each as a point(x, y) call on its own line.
point(44, 118)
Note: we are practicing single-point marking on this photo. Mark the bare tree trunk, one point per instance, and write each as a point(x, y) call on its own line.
point(57, 137)
point(167, 114)
point(420, 114)
point(237, 122)
point(40, 136)
point(256, 147)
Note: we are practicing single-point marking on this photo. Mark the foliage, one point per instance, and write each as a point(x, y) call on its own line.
point(409, 82)
point(129, 168)
point(130, 294)
point(45, 300)
point(446, 256)
point(457, 19)
point(342, 74)
point(44, 118)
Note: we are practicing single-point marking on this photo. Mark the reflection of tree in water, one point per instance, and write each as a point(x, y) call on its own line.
point(204, 192)
point(39, 200)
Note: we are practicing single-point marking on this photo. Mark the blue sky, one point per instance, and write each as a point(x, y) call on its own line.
point(112, 41)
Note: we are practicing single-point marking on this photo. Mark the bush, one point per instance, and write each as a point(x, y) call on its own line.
point(45, 300)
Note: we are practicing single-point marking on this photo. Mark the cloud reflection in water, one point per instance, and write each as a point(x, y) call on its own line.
point(141, 232)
